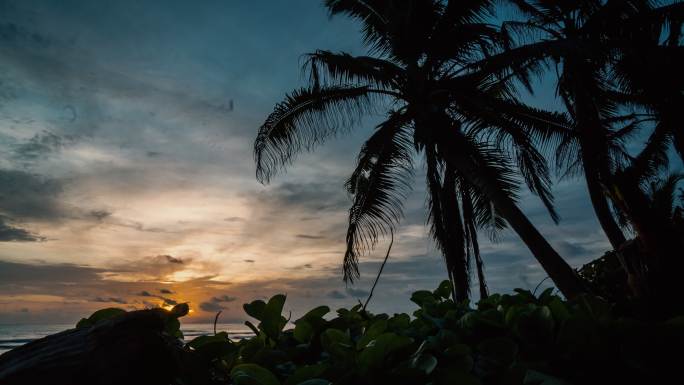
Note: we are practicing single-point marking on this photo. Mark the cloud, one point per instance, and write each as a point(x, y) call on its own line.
point(165, 291)
point(39, 147)
point(110, 300)
point(27, 196)
point(172, 259)
point(305, 236)
point(336, 294)
point(223, 298)
point(158, 267)
point(358, 293)
point(145, 293)
point(9, 233)
point(211, 307)
point(13, 274)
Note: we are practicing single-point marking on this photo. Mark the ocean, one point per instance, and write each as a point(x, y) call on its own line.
point(12, 336)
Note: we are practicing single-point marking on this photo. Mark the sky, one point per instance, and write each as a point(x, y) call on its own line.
point(127, 180)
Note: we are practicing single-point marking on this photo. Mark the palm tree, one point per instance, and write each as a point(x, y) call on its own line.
point(471, 132)
point(592, 44)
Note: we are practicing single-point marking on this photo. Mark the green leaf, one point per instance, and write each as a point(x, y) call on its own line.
point(533, 377)
point(398, 322)
point(100, 315)
point(379, 349)
point(303, 331)
point(210, 347)
point(252, 374)
point(255, 309)
point(315, 381)
point(422, 297)
point(377, 328)
point(172, 327)
point(535, 326)
point(272, 322)
point(451, 376)
point(558, 309)
point(304, 373)
point(444, 289)
point(338, 344)
point(317, 312)
point(180, 310)
point(425, 362)
point(251, 347)
point(503, 351)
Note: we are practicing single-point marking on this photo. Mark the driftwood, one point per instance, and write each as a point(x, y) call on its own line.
point(129, 349)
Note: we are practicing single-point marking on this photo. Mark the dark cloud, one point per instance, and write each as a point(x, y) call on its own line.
point(150, 268)
point(145, 293)
point(100, 215)
point(13, 273)
point(223, 298)
point(26, 196)
point(165, 291)
point(39, 146)
point(311, 197)
point(357, 293)
point(9, 233)
point(234, 219)
point(306, 236)
point(248, 260)
point(171, 259)
point(169, 301)
point(336, 294)
point(110, 300)
point(211, 307)
point(14, 33)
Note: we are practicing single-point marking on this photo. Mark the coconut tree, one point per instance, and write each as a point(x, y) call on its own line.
point(477, 141)
point(592, 44)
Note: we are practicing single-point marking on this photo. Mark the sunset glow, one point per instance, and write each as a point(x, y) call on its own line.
point(128, 182)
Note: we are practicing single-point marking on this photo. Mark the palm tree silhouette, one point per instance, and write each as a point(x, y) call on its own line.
point(477, 141)
point(600, 50)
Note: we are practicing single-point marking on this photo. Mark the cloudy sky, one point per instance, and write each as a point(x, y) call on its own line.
point(127, 180)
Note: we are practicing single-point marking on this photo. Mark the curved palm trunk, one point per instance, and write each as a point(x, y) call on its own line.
point(601, 208)
point(592, 147)
point(555, 266)
point(453, 226)
point(484, 292)
point(558, 270)
point(447, 227)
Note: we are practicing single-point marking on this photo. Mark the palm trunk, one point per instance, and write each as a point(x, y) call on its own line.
point(484, 292)
point(593, 146)
point(601, 208)
point(555, 266)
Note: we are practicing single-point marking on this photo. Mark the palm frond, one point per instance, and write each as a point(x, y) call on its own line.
point(342, 68)
point(379, 185)
point(306, 118)
point(373, 17)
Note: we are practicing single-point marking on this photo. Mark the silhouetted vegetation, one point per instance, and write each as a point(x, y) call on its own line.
point(448, 75)
point(520, 338)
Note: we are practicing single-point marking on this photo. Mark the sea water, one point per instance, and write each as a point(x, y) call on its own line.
point(12, 336)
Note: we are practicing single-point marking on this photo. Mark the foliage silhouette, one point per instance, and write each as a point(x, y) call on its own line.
point(517, 338)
